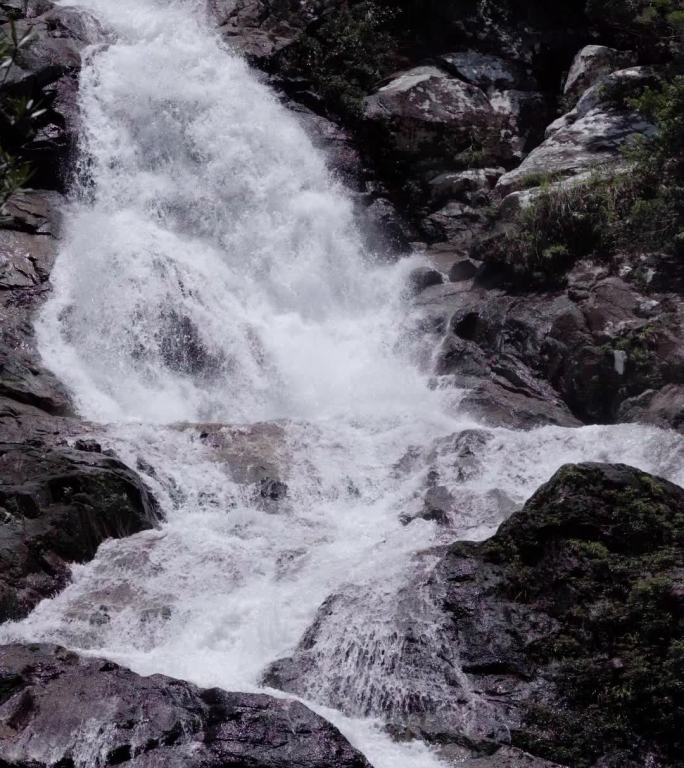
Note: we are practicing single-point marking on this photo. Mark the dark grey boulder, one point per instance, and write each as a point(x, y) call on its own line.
point(422, 278)
point(419, 106)
point(464, 269)
point(58, 709)
point(57, 505)
point(496, 649)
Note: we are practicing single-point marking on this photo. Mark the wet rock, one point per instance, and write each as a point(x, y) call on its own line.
point(27, 252)
point(57, 708)
point(438, 504)
point(22, 380)
point(559, 548)
point(422, 278)
point(498, 403)
point(494, 350)
point(385, 663)
point(57, 506)
point(508, 757)
point(20, 422)
point(456, 223)
point(592, 64)
point(663, 407)
point(341, 153)
point(499, 646)
point(19, 9)
point(386, 233)
point(37, 212)
point(271, 495)
point(561, 356)
point(88, 445)
point(464, 269)
point(182, 347)
point(254, 455)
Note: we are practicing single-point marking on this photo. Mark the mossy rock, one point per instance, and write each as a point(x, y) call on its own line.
point(599, 549)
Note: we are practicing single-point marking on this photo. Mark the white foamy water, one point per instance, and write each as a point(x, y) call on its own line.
point(212, 272)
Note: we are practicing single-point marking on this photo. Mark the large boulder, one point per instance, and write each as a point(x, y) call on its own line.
point(512, 90)
point(590, 137)
point(591, 65)
point(59, 709)
point(57, 505)
point(560, 636)
point(471, 103)
point(601, 348)
point(426, 105)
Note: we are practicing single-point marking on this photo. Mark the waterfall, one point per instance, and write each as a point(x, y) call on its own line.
point(213, 300)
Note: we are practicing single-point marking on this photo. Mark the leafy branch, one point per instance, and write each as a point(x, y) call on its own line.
point(19, 113)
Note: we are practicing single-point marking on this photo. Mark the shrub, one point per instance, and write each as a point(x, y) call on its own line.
point(347, 54)
point(18, 115)
point(655, 27)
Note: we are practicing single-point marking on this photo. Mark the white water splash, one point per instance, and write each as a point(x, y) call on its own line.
point(212, 271)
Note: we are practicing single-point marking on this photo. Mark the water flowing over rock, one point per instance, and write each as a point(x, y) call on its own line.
point(499, 641)
point(327, 437)
point(57, 708)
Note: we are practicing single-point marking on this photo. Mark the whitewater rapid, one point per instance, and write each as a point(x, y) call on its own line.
point(212, 295)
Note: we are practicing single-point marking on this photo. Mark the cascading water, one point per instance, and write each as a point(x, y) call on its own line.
point(212, 272)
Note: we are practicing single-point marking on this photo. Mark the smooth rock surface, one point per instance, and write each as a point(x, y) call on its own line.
point(58, 709)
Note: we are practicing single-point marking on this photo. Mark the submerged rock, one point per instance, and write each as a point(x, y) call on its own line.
point(57, 505)
point(57, 708)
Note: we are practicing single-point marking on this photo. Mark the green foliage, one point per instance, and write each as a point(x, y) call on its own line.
point(665, 106)
point(640, 211)
point(14, 174)
point(348, 53)
point(566, 222)
point(656, 27)
point(19, 115)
